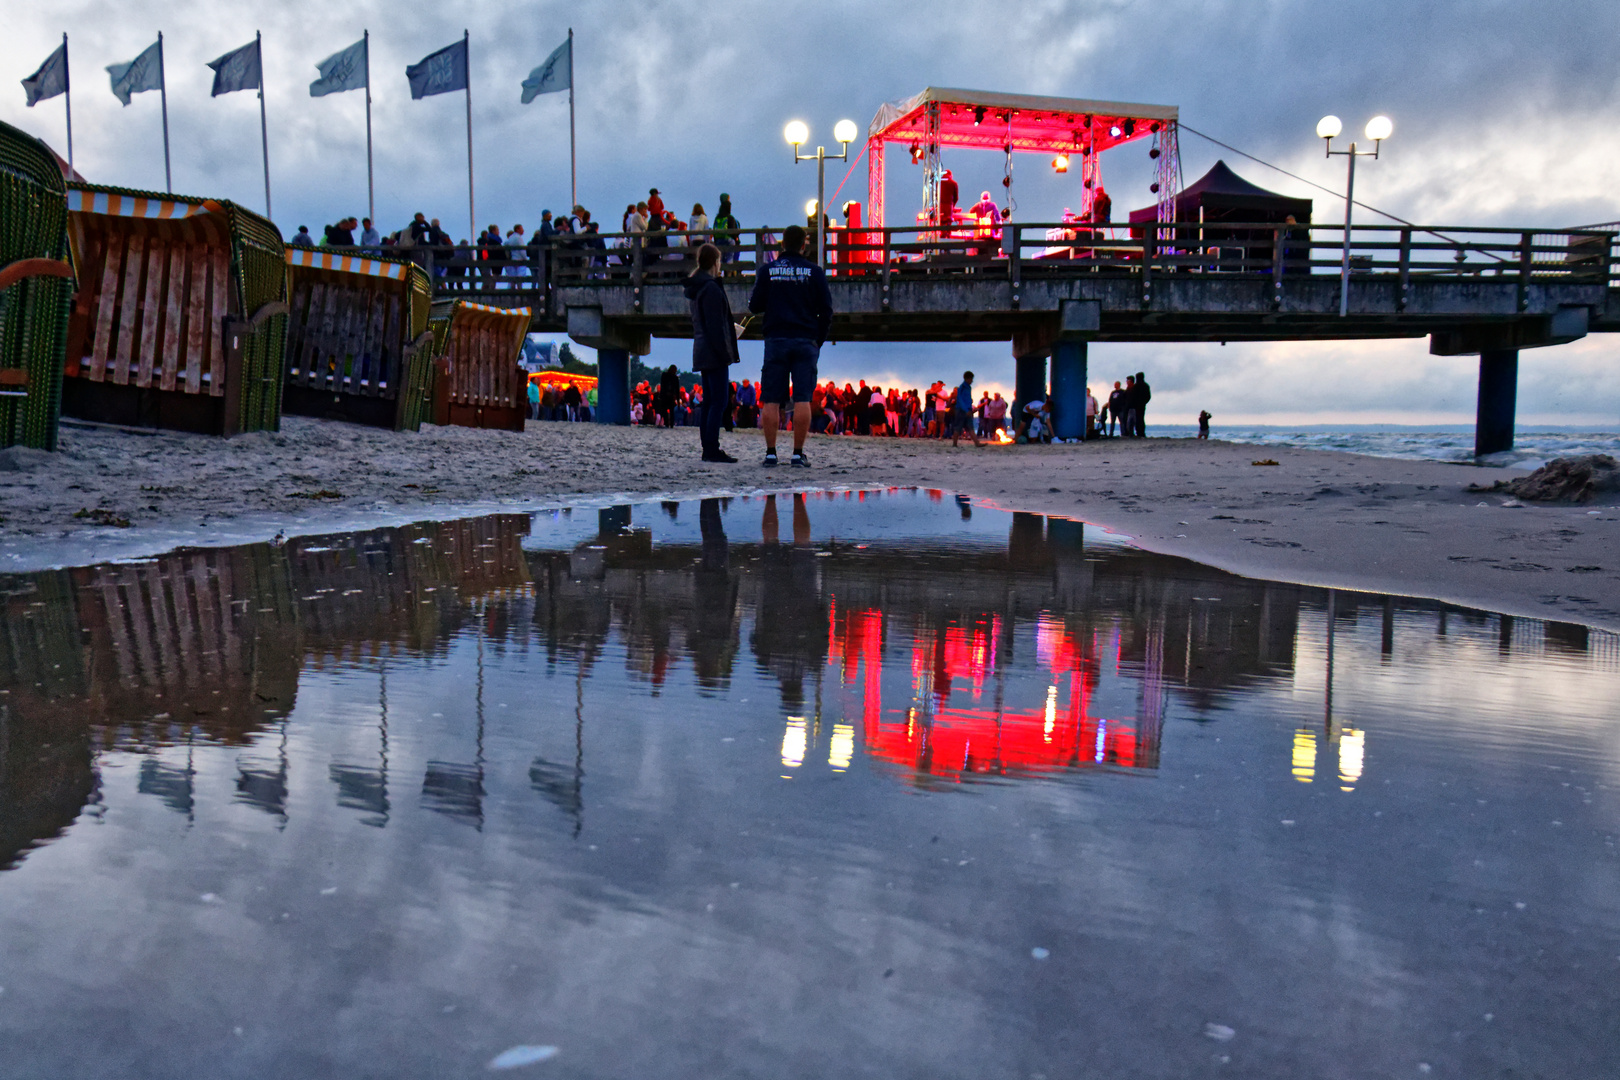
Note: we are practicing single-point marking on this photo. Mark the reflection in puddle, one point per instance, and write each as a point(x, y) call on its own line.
point(662, 774)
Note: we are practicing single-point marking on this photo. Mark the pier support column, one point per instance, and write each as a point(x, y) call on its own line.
point(1029, 384)
point(1498, 396)
point(1069, 389)
point(613, 386)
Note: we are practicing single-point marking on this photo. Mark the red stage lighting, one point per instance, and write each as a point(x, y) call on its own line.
point(1060, 163)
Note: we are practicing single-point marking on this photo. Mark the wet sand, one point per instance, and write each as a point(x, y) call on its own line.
point(1321, 518)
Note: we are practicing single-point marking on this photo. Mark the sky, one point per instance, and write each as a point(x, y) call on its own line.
point(1504, 116)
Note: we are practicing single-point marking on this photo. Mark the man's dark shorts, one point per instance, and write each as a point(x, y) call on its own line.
point(785, 358)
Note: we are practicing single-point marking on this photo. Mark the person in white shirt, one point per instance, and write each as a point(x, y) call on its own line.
point(517, 256)
point(1091, 414)
point(697, 229)
point(370, 238)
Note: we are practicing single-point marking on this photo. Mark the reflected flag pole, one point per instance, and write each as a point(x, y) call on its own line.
point(163, 92)
point(264, 128)
point(371, 184)
point(573, 170)
point(466, 52)
point(67, 96)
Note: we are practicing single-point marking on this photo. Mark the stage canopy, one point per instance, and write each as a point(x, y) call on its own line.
point(1012, 123)
point(1222, 195)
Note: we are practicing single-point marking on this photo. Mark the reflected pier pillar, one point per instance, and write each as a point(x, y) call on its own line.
point(613, 386)
point(1498, 396)
point(1068, 389)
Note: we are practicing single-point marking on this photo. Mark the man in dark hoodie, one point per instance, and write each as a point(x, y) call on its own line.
point(792, 292)
point(714, 348)
point(1144, 394)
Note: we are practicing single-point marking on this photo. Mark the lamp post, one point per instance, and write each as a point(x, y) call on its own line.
point(1327, 129)
point(797, 134)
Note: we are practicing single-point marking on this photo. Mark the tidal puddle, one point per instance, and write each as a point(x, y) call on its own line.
point(883, 785)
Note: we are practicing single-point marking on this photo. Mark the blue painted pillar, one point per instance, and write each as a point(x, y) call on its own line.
point(1029, 384)
point(613, 386)
point(1498, 398)
point(1069, 389)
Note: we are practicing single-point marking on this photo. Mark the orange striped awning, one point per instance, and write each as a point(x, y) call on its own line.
point(352, 264)
point(121, 204)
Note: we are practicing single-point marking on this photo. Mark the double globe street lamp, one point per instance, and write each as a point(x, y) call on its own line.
point(797, 134)
point(1378, 129)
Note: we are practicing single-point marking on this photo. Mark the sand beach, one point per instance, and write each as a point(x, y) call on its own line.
point(1344, 520)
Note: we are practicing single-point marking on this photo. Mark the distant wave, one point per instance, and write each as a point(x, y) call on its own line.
point(1531, 447)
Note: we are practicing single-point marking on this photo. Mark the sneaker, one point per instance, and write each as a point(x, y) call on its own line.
point(720, 457)
point(799, 460)
point(770, 459)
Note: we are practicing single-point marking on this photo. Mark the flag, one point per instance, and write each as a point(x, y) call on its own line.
point(557, 73)
point(440, 72)
point(50, 80)
point(143, 73)
point(345, 70)
point(238, 69)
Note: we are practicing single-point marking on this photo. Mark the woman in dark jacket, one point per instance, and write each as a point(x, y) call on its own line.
point(714, 347)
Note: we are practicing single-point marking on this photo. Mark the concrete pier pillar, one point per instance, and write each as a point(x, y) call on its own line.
point(1029, 384)
point(1498, 397)
point(613, 386)
point(1069, 389)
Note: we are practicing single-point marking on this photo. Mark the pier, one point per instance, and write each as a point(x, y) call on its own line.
point(1049, 290)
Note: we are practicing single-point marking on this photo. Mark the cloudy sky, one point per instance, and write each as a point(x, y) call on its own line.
point(1504, 115)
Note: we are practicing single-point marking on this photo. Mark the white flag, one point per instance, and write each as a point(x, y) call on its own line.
point(557, 73)
point(341, 71)
point(145, 72)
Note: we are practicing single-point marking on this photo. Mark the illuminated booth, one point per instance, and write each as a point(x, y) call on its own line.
point(1074, 131)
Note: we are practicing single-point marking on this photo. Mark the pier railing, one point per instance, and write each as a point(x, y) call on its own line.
point(1017, 252)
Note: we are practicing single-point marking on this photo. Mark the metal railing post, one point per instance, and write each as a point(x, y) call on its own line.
point(1526, 241)
point(636, 268)
point(887, 239)
point(1015, 263)
point(1406, 270)
point(1147, 276)
point(1278, 262)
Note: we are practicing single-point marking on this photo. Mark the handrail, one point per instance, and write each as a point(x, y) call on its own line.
point(1269, 250)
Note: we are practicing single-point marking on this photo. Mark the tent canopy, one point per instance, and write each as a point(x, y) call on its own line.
point(1023, 122)
point(1223, 195)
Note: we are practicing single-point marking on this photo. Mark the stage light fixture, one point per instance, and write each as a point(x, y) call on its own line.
point(1154, 153)
point(1060, 163)
point(1154, 187)
point(1114, 131)
point(1130, 127)
point(810, 209)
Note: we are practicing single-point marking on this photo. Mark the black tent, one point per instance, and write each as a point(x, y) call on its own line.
point(1223, 195)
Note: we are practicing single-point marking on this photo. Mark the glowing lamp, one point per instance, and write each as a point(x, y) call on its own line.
point(810, 209)
point(1328, 127)
point(1060, 163)
point(1114, 131)
point(1379, 128)
point(845, 131)
point(797, 132)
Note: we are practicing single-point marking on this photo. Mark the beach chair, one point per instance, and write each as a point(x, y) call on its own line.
point(181, 313)
point(477, 379)
point(36, 290)
point(358, 345)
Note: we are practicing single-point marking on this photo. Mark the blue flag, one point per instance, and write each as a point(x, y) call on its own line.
point(440, 72)
point(238, 69)
point(557, 73)
point(50, 80)
point(143, 73)
point(341, 71)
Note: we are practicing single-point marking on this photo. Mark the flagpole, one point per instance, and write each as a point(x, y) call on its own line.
point(67, 97)
point(573, 169)
point(371, 184)
point(264, 127)
point(466, 55)
point(163, 91)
